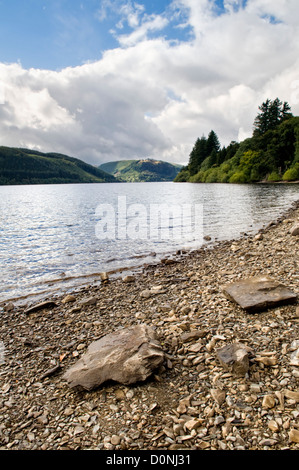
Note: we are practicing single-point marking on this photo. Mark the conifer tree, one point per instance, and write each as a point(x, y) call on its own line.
point(271, 115)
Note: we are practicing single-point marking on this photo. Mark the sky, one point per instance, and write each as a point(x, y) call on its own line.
point(105, 80)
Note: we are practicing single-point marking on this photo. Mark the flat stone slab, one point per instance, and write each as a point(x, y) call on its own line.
point(259, 293)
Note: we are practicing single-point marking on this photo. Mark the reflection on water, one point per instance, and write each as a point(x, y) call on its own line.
point(48, 232)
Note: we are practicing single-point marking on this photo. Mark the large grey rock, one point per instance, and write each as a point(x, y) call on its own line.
point(126, 356)
point(258, 293)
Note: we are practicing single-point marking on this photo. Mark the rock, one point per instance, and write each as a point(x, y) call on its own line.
point(294, 435)
point(126, 356)
point(295, 230)
point(145, 294)
point(129, 278)
point(193, 424)
point(207, 238)
point(258, 293)
point(89, 301)
point(295, 358)
point(292, 395)
point(41, 306)
point(104, 276)
point(273, 425)
point(9, 307)
point(193, 335)
point(267, 361)
point(218, 395)
point(235, 358)
point(268, 402)
point(183, 405)
point(115, 440)
point(68, 298)
point(259, 237)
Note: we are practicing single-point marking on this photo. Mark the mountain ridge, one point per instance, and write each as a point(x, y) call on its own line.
point(142, 170)
point(25, 166)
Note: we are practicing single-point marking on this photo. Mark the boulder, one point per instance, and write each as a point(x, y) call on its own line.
point(127, 356)
point(235, 358)
point(259, 293)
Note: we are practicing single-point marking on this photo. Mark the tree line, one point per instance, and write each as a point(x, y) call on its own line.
point(271, 154)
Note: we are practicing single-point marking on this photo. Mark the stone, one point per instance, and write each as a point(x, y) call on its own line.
point(268, 402)
point(295, 230)
point(146, 294)
point(9, 307)
point(267, 361)
point(218, 395)
point(68, 298)
point(115, 440)
point(259, 237)
point(258, 293)
point(89, 301)
point(295, 358)
point(127, 356)
point(273, 425)
point(294, 435)
point(104, 277)
point(41, 306)
point(193, 335)
point(129, 278)
point(292, 395)
point(193, 423)
point(235, 358)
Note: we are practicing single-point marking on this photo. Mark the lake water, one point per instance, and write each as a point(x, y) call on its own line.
point(56, 237)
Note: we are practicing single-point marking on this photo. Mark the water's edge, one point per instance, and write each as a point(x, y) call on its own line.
point(94, 279)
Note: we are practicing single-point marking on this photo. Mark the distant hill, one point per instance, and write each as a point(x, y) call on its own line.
point(146, 170)
point(23, 166)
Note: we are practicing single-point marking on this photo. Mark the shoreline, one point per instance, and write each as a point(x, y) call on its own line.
point(40, 412)
point(22, 301)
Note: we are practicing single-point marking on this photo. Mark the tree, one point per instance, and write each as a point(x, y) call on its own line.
point(272, 114)
point(197, 155)
point(212, 143)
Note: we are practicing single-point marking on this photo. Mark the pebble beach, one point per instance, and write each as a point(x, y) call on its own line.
point(191, 402)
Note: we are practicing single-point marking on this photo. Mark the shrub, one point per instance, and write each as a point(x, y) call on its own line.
point(292, 174)
point(274, 176)
point(238, 178)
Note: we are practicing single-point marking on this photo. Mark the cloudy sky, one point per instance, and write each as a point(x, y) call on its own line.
point(106, 80)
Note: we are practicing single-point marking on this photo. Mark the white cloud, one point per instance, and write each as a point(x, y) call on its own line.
point(149, 24)
point(153, 97)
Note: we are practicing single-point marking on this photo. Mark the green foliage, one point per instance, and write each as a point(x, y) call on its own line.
point(271, 154)
point(274, 176)
point(238, 177)
point(183, 176)
point(292, 174)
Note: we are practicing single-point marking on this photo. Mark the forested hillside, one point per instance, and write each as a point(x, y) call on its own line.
point(271, 154)
point(22, 166)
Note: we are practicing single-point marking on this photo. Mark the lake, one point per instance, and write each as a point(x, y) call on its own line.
point(57, 237)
